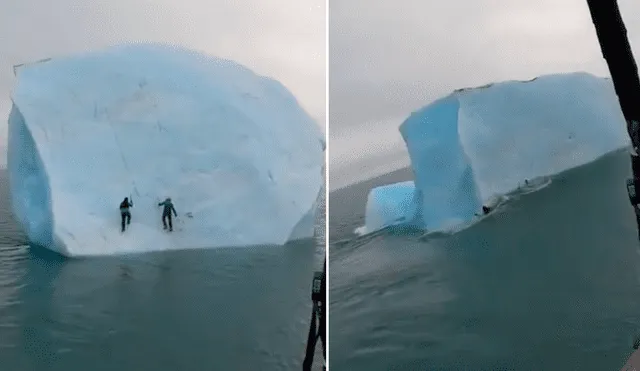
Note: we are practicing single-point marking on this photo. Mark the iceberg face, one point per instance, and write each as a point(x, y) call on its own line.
point(390, 205)
point(477, 144)
point(239, 157)
point(443, 172)
point(28, 184)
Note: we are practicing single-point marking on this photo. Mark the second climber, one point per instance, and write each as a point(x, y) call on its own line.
point(166, 213)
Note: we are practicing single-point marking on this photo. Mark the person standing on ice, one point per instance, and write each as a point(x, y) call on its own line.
point(166, 213)
point(124, 211)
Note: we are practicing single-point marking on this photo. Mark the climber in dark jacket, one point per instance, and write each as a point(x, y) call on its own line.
point(166, 212)
point(124, 211)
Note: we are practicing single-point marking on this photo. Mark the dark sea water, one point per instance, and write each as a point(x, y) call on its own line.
point(219, 309)
point(550, 282)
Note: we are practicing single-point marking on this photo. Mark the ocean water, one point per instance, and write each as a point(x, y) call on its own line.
point(549, 282)
point(219, 309)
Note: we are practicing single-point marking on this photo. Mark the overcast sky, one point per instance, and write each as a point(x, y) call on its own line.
point(390, 57)
point(283, 39)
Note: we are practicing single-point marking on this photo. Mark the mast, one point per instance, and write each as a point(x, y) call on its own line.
point(616, 50)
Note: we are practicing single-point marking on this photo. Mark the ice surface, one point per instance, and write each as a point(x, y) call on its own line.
point(5, 108)
point(389, 205)
point(476, 144)
point(240, 158)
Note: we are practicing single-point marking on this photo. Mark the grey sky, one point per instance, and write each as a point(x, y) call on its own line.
point(283, 39)
point(388, 58)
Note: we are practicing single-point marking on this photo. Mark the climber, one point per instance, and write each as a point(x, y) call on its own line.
point(166, 213)
point(124, 211)
point(485, 210)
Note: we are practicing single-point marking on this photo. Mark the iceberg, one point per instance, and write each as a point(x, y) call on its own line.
point(390, 205)
point(471, 147)
point(240, 158)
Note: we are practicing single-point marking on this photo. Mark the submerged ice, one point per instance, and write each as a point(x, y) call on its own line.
point(239, 157)
point(476, 144)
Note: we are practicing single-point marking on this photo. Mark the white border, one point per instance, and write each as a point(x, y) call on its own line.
point(326, 172)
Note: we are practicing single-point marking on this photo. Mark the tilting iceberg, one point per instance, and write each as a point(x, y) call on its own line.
point(240, 158)
point(477, 144)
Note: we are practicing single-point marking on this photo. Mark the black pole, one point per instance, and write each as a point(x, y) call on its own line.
point(311, 342)
point(323, 311)
point(616, 50)
point(319, 298)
